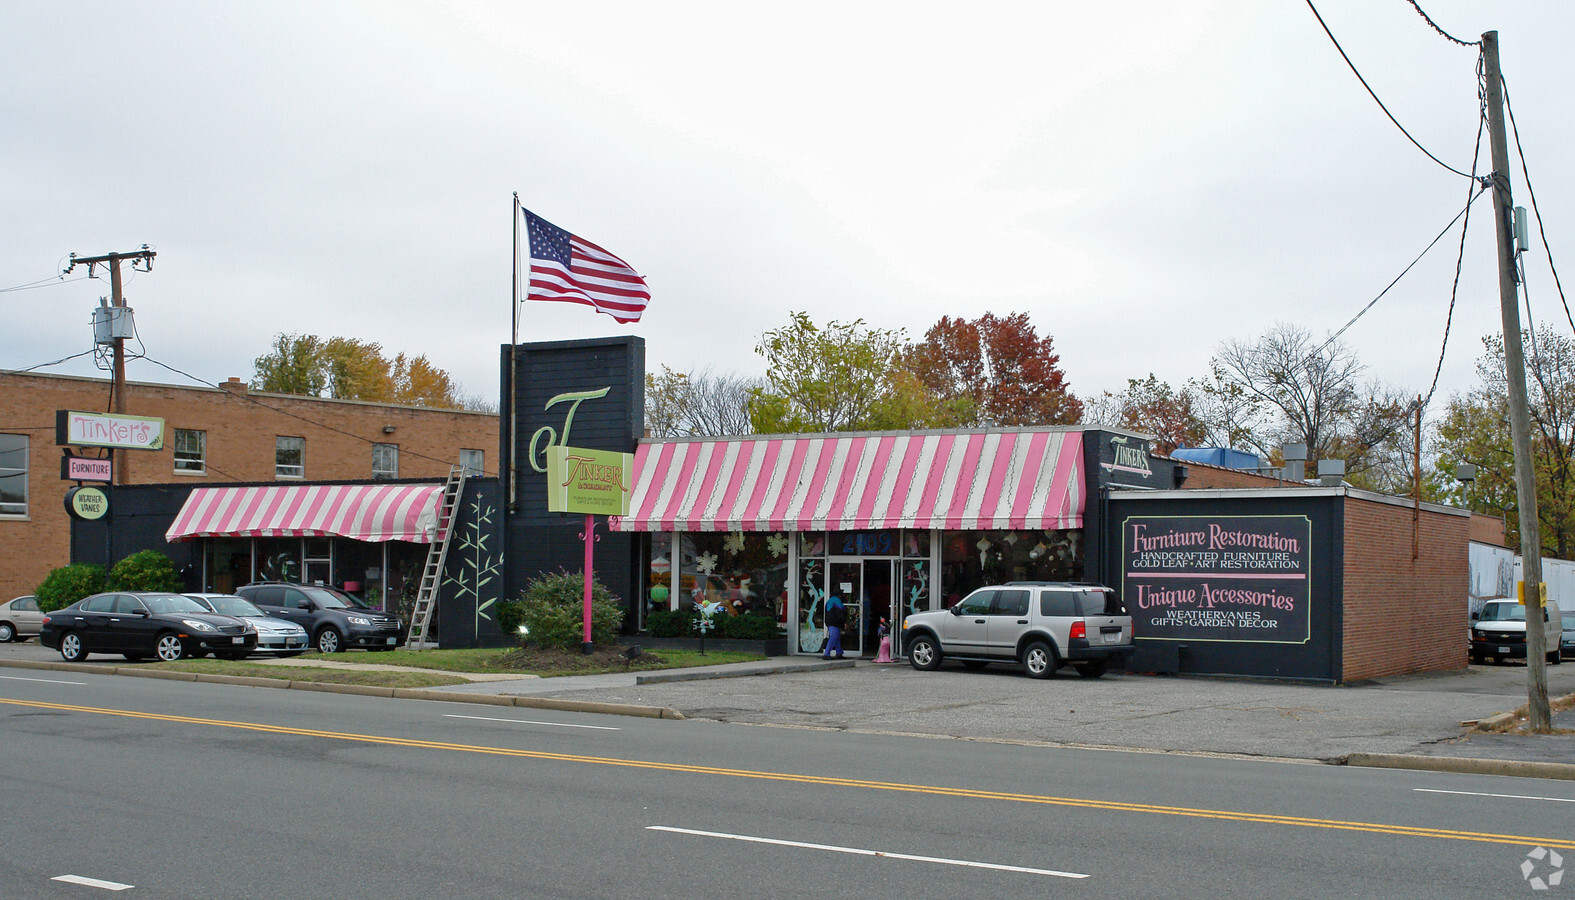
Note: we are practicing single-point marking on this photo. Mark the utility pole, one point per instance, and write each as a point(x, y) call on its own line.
point(118, 388)
point(1540, 716)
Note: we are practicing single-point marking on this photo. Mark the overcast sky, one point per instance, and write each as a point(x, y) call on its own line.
point(1144, 179)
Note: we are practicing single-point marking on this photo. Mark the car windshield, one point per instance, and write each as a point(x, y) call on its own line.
point(171, 603)
point(1101, 603)
point(233, 606)
point(1503, 612)
point(334, 599)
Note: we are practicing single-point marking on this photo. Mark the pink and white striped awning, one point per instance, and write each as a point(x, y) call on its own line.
point(987, 480)
point(364, 512)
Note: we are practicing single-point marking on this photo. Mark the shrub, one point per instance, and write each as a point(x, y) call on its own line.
point(552, 608)
point(664, 623)
point(746, 627)
point(509, 616)
point(68, 584)
point(148, 570)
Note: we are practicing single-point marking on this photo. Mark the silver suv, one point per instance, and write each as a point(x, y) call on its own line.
point(1041, 624)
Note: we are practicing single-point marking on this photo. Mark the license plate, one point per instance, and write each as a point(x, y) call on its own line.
point(1112, 638)
point(1503, 649)
point(237, 640)
point(393, 640)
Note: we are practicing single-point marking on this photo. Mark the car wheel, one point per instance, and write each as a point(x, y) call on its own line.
point(132, 657)
point(1039, 660)
point(974, 664)
point(7, 632)
point(168, 647)
point(1093, 669)
point(329, 641)
point(923, 653)
point(71, 649)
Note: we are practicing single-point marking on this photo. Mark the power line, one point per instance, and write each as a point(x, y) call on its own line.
point(1441, 31)
point(1336, 336)
point(55, 363)
point(1375, 95)
point(43, 283)
point(1460, 258)
point(1520, 151)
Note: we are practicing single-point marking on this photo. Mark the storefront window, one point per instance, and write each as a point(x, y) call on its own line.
point(972, 559)
point(228, 564)
point(915, 572)
point(811, 543)
point(746, 573)
point(659, 573)
point(279, 559)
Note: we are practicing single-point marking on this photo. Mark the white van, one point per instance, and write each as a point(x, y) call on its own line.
point(1499, 632)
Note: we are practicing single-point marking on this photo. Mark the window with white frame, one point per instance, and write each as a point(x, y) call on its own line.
point(385, 460)
point(13, 474)
point(191, 451)
point(289, 457)
point(473, 461)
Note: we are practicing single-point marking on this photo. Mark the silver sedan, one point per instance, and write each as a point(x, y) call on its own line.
point(276, 636)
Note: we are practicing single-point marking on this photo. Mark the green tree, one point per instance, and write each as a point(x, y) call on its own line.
point(68, 584)
point(356, 370)
point(146, 570)
point(1475, 429)
point(293, 366)
point(822, 378)
point(353, 369)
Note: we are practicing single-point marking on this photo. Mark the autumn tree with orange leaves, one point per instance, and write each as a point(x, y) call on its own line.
point(999, 366)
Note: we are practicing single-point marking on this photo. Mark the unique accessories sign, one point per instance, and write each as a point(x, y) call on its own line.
point(86, 429)
point(1218, 578)
point(588, 481)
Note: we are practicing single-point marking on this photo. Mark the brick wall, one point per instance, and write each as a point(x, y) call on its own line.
point(1488, 529)
point(241, 427)
point(1202, 476)
point(1403, 615)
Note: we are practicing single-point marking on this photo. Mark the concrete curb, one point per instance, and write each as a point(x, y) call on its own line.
point(1462, 765)
point(702, 675)
point(364, 690)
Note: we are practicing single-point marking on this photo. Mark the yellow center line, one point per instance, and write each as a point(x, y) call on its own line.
point(1109, 805)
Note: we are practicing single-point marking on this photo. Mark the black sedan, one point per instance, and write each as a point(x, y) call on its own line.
point(138, 624)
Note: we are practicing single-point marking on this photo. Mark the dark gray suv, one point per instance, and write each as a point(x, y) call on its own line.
point(333, 619)
point(1041, 625)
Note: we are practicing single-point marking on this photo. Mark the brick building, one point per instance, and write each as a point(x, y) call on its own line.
point(213, 436)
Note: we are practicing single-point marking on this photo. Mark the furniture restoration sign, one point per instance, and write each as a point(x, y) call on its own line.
point(589, 481)
point(1218, 578)
point(88, 429)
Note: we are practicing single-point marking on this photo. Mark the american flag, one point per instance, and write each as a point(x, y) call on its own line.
point(565, 267)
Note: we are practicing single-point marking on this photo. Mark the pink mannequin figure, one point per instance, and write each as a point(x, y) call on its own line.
point(883, 655)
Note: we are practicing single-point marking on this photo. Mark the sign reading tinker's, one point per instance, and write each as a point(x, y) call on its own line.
point(87, 429)
point(588, 481)
point(1218, 578)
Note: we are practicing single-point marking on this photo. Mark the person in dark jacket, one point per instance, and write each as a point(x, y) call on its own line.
point(836, 617)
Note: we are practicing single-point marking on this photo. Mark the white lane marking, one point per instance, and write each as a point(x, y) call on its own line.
point(859, 851)
point(529, 722)
point(93, 882)
point(1499, 796)
point(42, 680)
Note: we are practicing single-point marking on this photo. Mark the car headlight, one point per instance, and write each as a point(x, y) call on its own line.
point(198, 625)
point(359, 620)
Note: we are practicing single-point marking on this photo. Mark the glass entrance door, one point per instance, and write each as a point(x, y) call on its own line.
point(845, 580)
point(879, 592)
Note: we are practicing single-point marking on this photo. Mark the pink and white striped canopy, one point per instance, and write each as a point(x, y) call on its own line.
point(986, 480)
point(364, 512)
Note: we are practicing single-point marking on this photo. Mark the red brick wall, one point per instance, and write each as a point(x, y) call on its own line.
point(1202, 476)
point(240, 447)
point(1488, 529)
point(1402, 614)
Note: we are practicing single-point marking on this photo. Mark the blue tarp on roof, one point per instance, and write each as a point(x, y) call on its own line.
point(1217, 456)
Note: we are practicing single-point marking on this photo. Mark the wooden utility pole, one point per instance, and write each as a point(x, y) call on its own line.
point(1540, 717)
point(118, 299)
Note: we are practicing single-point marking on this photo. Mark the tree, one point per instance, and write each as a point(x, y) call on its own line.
point(1475, 429)
point(1000, 366)
point(821, 379)
point(1153, 406)
point(678, 404)
point(1284, 388)
point(352, 369)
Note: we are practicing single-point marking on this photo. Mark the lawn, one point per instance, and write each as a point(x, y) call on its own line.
point(426, 666)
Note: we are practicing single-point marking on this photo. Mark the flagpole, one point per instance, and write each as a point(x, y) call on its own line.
point(514, 341)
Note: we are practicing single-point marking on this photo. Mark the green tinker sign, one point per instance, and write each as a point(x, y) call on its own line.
point(595, 482)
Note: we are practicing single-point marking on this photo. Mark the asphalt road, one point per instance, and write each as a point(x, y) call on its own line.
point(200, 790)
